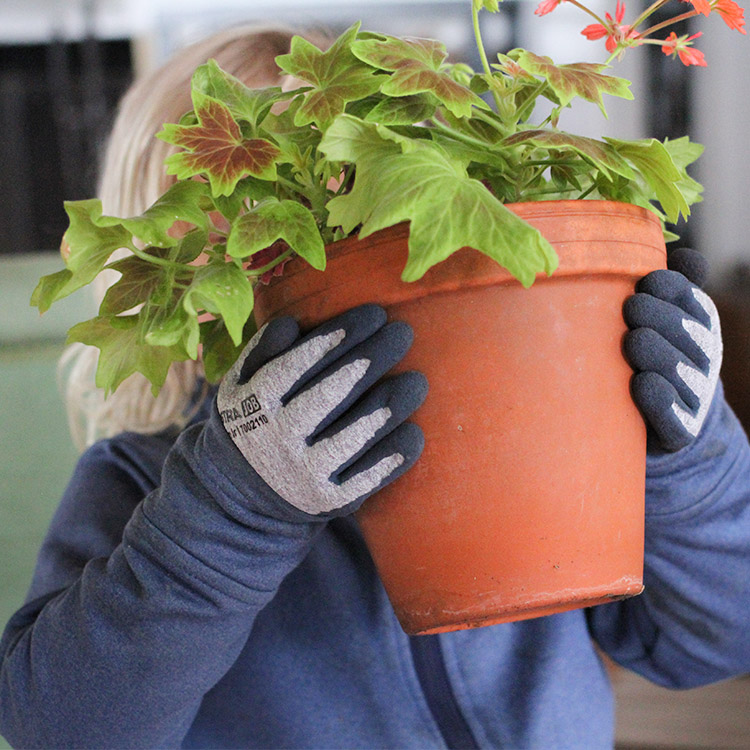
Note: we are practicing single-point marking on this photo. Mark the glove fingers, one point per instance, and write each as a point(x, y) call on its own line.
point(644, 310)
point(387, 460)
point(690, 263)
point(327, 396)
point(269, 341)
point(672, 287)
point(386, 406)
point(646, 350)
point(663, 410)
point(318, 348)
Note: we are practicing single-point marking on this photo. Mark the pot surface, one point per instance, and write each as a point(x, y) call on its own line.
point(529, 497)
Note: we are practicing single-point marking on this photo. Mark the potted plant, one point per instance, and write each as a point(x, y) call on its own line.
point(394, 176)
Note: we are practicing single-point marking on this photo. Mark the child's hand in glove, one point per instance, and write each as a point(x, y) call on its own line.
point(308, 416)
point(675, 348)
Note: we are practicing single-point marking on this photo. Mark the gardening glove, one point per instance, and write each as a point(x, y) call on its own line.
point(310, 417)
point(675, 348)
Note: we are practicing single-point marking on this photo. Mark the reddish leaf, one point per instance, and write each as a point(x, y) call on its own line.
point(336, 76)
point(417, 67)
point(215, 147)
point(575, 79)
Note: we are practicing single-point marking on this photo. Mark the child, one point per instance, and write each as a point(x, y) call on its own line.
point(203, 585)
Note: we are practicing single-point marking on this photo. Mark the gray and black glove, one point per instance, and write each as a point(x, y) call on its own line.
point(675, 348)
point(312, 416)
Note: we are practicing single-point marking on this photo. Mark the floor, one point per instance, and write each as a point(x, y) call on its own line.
point(716, 717)
point(36, 458)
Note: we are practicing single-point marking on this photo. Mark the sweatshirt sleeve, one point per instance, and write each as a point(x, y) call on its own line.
point(140, 605)
point(691, 625)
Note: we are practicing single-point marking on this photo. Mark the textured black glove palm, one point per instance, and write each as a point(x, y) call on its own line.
point(675, 348)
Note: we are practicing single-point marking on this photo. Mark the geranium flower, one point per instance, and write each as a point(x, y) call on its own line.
point(547, 6)
point(701, 6)
point(733, 14)
point(615, 31)
point(681, 46)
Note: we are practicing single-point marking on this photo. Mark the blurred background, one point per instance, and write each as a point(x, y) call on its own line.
point(65, 63)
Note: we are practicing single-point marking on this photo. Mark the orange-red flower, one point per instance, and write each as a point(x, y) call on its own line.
point(547, 6)
point(615, 31)
point(701, 6)
point(682, 47)
point(733, 14)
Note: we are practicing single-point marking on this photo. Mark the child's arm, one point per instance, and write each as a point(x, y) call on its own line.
point(122, 653)
point(691, 625)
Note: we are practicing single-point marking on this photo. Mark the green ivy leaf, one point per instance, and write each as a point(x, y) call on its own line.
point(189, 248)
point(219, 351)
point(602, 155)
point(585, 80)
point(398, 180)
point(336, 77)
point(405, 110)
point(271, 220)
point(248, 187)
point(51, 288)
point(86, 246)
point(491, 5)
point(137, 283)
point(417, 68)
point(91, 238)
point(171, 325)
point(122, 351)
point(653, 161)
point(222, 289)
point(251, 105)
point(216, 148)
point(181, 202)
point(684, 153)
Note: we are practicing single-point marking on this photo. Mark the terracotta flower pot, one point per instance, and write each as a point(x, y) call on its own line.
point(529, 497)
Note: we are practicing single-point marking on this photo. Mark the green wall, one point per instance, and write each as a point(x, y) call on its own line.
point(36, 454)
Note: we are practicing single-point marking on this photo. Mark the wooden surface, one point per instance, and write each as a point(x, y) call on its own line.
point(716, 717)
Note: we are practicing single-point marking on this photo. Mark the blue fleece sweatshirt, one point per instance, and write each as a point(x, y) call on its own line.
point(167, 610)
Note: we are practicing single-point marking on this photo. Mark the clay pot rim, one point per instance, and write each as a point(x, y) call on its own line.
point(529, 211)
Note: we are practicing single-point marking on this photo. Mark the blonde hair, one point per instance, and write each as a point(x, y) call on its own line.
point(132, 177)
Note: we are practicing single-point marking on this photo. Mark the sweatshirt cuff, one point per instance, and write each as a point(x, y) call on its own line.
point(692, 479)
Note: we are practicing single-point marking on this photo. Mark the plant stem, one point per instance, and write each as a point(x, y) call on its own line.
point(549, 191)
point(154, 259)
point(294, 187)
point(648, 12)
point(275, 262)
point(532, 179)
point(458, 136)
point(468, 140)
point(344, 182)
point(668, 22)
point(490, 120)
point(554, 163)
point(591, 12)
point(482, 53)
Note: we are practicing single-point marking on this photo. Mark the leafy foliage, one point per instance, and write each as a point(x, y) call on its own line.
point(381, 130)
point(336, 76)
point(417, 66)
point(216, 148)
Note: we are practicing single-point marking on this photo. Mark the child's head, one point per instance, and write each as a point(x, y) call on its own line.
point(132, 177)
